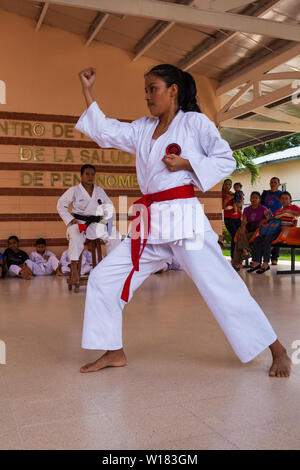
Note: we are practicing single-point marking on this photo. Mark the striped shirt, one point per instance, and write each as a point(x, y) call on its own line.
point(288, 215)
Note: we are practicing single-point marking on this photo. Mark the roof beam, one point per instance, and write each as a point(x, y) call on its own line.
point(271, 113)
point(260, 125)
point(190, 15)
point(42, 15)
point(210, 45)
point(95, 27)
point(263, 100)
point(278, 115)
point(221, 5)
point(151, 37)
point(155, 33)
point(259, 67)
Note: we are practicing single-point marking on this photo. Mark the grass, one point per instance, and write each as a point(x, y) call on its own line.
point(282, 257)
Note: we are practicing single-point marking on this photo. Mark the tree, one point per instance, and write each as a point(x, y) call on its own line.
point(245, 162)
point(245, 159)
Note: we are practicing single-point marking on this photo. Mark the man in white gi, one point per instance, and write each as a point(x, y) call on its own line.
point(91, 213)
point(176, 149)
point(45, 262)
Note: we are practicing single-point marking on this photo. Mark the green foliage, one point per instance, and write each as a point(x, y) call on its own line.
point(273, 146)
point(226, 236)
point(245, 159)
point(244, 162)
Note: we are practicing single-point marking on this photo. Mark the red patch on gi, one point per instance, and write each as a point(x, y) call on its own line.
point(82, 227)
point(173, 148)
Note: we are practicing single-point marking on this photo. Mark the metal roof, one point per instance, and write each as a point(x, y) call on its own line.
point(276, 157)
point(265, 109)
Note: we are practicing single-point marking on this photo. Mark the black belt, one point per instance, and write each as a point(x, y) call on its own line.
point(88, 219)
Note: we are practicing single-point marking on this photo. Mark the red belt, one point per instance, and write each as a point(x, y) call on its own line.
point(180, 192)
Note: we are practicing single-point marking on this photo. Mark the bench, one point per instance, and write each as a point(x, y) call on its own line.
point(289, 237)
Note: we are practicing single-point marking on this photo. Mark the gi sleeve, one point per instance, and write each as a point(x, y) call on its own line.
point(108, 133)
point(63, 205)
point(215, 161)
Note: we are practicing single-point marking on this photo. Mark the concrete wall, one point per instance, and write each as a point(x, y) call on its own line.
point(40, 153)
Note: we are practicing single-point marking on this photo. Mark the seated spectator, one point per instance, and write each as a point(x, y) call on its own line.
point(17, 261)
point(65, 263)
point(232, 221)
point(45, 261)
point(238, 198)
point(88, 255)
point(2, 270)
point(271, 199)
point(285, 217)
point(253, 217)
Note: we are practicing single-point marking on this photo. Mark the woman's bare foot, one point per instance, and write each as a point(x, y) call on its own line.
point(109, 359)
point(281, 366)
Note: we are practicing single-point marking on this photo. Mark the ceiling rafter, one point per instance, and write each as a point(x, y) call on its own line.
point(155, 33)
point(95, 26)
point(260, 125)
point(257, 101)
point(210, 45)
point(255, 68)
point(190, 15)
point(44, 8)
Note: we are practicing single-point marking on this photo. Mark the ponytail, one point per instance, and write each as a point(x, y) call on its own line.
point(188, 100)
point(187, 91)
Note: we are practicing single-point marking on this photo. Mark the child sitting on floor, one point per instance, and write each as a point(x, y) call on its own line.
point(65, 263)
point(17, 261)
point(46, 262)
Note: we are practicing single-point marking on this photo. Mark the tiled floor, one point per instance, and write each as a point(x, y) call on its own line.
point(183, 387)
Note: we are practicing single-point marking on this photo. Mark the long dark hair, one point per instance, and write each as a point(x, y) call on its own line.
point(227, 179)
point(187, 91)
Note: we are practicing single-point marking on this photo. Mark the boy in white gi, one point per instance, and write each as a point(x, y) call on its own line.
point(65, 263)
point(91, 212)
point(45, 262)
point(180, 149)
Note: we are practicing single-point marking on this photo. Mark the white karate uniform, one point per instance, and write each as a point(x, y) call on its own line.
point(84, 204)
point(42, 267)
point(241, 318)
point(14, 269)
point(89, 257)
point(65, 261)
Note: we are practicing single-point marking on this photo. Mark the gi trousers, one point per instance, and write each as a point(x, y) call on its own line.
point(238, 314)
point(77, 239)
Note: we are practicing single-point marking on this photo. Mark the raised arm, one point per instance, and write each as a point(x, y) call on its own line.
point(107, 133)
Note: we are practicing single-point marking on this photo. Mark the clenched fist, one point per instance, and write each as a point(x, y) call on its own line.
point(87, 77)
point(175, 163)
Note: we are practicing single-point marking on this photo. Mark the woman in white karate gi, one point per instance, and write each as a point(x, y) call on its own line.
point(167, 178)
